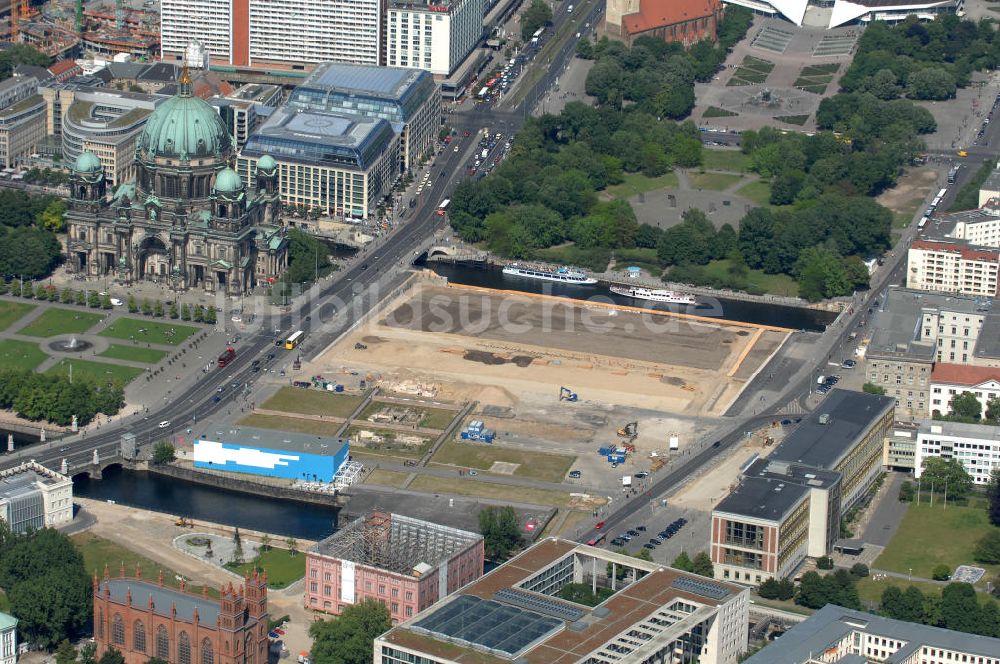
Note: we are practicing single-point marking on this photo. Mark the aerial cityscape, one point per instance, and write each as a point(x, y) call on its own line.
point(499, 332)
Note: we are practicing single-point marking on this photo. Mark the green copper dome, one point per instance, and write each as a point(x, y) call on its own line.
point(185, 126)
point(228, 181)
point(266, 163)
point(87, 162)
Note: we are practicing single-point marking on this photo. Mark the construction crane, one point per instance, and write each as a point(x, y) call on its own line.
point(566, 394)
point(630, 431)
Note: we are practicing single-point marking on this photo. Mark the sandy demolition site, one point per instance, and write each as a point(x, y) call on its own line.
point(487, 345)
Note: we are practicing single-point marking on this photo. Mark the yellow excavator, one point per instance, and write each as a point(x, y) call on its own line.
point(629, 431)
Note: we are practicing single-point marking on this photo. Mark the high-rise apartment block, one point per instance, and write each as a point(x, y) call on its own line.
point(434, 35)
point(283, 34)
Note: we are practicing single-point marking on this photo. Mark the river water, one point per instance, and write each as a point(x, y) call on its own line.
point(205, 503)
point(797, 318)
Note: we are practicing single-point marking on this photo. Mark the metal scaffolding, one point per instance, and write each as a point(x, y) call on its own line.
point(396, 543)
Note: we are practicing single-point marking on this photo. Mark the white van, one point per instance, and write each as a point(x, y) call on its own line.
point(570, 10)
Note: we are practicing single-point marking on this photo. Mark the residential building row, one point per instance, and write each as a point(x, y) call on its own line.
point(788, 506)
point(433, 35)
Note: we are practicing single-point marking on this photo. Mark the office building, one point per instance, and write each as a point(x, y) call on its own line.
point(855, 12)
point(33, 497)
point(407, 99)
point(651, 613)
point(143, 619)
point(683, 21)
point(340, 165)
point(846, 636)
point(901, 447)
point(8, 638)
point(407, 564)
point(17, 88)
point(274, 34)
point(951, 380)
point(267, 452)
point(433, 35)
point(106, 123)
point(187, 220)
point(952, 267)
point(22, 129)
point(975, 446)
point(788, 506)
point(912, 330)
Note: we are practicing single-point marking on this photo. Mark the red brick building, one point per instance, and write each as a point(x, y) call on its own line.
point(142, 619)
point(684, 21)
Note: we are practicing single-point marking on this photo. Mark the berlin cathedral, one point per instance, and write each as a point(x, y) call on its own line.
point(188, 221)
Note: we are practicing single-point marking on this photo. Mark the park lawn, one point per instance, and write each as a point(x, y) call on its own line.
point(20, 355)
point(282, 567)
point(170, 334)
point(293, 424)
point(643, 257)
point(133, 354)
point(798, 120)
point(387, 478)
point(819, 70)
point(870, 590)
point(495, 491)
point(56, 321)
point(713, 181)
point(759, 191)
point(930, 536)
point(313, 402)
point(537, 465)
point(716, 112)
point(98, 552)
point(637, 183)
point(757, 64)
point(725, 160)
point(11, 312)
point(100, 372)
point(775, 284)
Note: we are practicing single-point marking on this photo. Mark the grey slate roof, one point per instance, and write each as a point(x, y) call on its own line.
point(163, 599)
point(285, 441)
point(831, 624)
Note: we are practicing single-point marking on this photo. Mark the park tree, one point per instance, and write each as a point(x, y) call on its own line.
point(209, 316)
point(88, 653)
point(941, 572)
point(993, 496)
point(198, 313)
point(163, 453)
point(859, 570)
point(930, 83)
point(173, 310)
point(111, 656)
point(66, 653)
point(80, 297)
point(293, 545)
point(988, 548)
point(347, 639)
point(702, 565)
point(20, 54)
point(185, 312)
point(966, 406)
point(643, 554)
point(537, 15)
point(906, 492)
point(501, 532)
point(147, 306)
point(93, 300)
point(946, 475)
point(158, 309)
point(106, 301)
point(959, 607)
point(133, 306)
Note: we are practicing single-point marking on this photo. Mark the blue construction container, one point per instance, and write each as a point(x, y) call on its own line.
point(606, 450)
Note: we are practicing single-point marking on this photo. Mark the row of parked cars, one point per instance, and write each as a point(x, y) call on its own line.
point(654, 542)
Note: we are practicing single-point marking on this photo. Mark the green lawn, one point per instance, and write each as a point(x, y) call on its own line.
point(930, 536)
point(149, 331)
point(637, 183)
point(283, 568)
point(716, 112)
point(759, 191)
point(492, 490)
point(133, 353)
point(713, 181)
point(21, 355)
point(56, 321)
point(98, 552)
point(386, 477)
point(313, 402)
point(100, 372)
point(744, 76)
point(815, 88)
point(537, 465)
point(776, 284)
point(592, 258)
point(643, 257)
point(430, 418)
point(11, 311)
point(819, 70)
point(725, 160)
point(758, 64)
point(871, 590)
point(793, 119)
point(293, 424)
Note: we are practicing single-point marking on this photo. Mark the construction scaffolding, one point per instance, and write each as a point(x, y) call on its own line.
point(396, 543)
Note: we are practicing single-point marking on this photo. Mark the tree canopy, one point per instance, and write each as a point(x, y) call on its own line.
point(347, 639)
point(957, 608)
point(535, 16)
point(20, 54)
point(501, 532)
point(28, 245)
point(43, 576)
point(54, 398)
point(817, 591)
point(941, 473)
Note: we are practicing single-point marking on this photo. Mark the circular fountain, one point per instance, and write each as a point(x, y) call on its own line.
point(71, 345)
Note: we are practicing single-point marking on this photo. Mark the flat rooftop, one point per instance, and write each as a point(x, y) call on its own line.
point(830, 431)
point(770, 489)
point(988, 341)
point(960, 429)
point(363, 80)
point(554, 631)
point(897, 326)
point(396, 543)
point(26, 478)
point(235, 434)
point(832, 624)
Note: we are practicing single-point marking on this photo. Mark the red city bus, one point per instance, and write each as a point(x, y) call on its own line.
point(227, 356)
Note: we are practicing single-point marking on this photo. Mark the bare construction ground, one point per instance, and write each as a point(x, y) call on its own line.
point(530, 346)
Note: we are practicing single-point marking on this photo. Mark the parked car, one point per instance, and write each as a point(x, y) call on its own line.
point(575, 474)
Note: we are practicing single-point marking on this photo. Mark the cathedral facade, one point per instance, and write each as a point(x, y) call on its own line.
point(188, 221)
